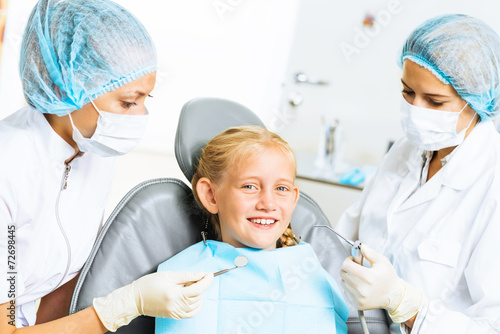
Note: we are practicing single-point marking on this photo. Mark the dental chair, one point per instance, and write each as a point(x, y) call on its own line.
point(158, 218)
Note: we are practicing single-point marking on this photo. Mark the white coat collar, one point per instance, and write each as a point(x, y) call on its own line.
point(464, 164)
point(469, 158)
point(460, 172)
point(57, 148)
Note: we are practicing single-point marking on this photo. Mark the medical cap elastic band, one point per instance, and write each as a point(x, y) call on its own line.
point(422, 62)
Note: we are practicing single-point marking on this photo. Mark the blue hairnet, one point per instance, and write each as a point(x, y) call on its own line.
point(462, 51)
point(73, 51)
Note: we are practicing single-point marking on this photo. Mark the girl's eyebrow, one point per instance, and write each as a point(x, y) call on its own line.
point(285, 180)
point(257, 178)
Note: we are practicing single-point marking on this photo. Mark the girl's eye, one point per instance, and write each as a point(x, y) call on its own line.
point(281, 188)
point(128, 105)
point(407, 92)
point(249, 186)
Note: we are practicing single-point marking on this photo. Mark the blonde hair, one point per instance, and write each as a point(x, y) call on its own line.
point(228, 148)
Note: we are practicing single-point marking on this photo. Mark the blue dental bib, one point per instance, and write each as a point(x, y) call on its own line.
point(279, 291)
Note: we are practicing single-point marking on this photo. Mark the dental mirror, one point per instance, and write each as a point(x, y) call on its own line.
point(239, 262)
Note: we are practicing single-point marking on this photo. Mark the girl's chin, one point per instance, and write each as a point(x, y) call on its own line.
point(262, 244)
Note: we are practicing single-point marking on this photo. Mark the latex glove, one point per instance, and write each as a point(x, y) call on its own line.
point(157, 295)
point(380, 287)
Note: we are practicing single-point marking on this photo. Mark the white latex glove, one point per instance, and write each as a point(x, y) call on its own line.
point(380, 287)
point(157, 295)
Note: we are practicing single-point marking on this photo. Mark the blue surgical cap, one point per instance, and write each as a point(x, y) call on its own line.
point(462, 51)
point(74, 51)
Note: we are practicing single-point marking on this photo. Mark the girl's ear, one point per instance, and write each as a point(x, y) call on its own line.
point(206, 193)
point(296, 194)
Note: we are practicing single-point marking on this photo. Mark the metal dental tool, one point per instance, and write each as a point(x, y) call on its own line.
point(239, 262)
point(358, 258)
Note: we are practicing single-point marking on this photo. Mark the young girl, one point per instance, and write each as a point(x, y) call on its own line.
point(245, 185)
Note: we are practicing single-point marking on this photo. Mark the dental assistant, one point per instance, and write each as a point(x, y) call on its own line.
point(87, 67)
point(429, 220)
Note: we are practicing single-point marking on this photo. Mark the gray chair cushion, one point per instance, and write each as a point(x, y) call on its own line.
point(153, 222)
point(331, 254)
point(202, 119)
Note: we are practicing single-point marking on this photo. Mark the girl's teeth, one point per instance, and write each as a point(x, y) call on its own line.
point(263, 221)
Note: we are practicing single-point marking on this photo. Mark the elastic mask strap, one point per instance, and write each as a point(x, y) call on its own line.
point(472, 119)
point(99, 112)
point(71, 120)
point(475, 113)
point(466, 103)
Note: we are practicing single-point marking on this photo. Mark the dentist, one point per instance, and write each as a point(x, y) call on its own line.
point(87, 67)
point(431, 214)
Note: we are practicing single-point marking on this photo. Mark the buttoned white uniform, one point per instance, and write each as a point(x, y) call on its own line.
point(443, 237)
point(32, 167)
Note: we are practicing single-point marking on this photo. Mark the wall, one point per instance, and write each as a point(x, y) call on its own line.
point(11, 95)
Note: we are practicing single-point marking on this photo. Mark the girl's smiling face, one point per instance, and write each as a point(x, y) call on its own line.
point(254, 200)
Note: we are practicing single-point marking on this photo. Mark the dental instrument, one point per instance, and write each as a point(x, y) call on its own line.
point(239, 262)
point(358, 258)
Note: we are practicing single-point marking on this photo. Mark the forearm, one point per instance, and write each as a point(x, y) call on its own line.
point(83, 322)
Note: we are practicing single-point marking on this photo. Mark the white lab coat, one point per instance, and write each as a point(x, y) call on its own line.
point(445, 237)
point(32, 165)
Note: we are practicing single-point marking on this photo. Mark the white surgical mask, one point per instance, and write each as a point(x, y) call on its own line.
point(114, 135)
point(431, 129)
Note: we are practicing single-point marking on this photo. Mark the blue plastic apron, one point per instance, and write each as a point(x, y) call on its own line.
point(280, 291)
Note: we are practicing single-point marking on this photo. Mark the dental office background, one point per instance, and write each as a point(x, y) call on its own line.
point(301, 65)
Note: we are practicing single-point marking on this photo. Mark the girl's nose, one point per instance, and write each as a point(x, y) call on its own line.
point(266, 201)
